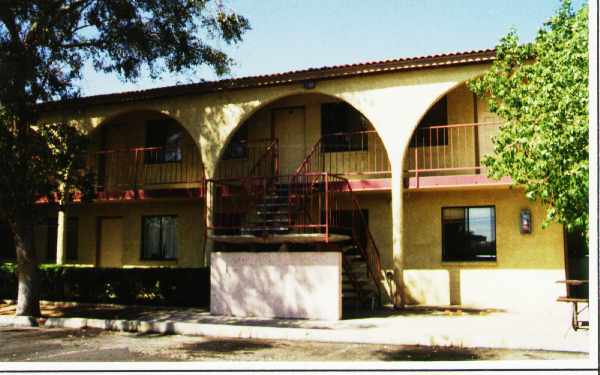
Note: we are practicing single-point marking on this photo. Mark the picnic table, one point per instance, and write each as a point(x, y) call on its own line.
point(576, 321)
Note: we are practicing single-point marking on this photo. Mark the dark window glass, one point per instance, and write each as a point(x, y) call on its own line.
point(159, 237)
point(469, 234)
point(237, 148)
point(7, 244)
point(163, 138)
point(72, 238)
point(342, 128)
point(425, 135)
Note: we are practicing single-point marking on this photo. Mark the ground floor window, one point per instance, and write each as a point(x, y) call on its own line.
point(469, 233)
point(159, 237)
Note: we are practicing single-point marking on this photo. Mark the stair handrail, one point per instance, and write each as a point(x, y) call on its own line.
point(370, 253)
point(271, 150)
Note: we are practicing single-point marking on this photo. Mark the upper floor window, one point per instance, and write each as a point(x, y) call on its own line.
point(163, 142)
point(469, 233)
point(427, 133)
point(159, 237)
point(343, 128)
point(237, 148)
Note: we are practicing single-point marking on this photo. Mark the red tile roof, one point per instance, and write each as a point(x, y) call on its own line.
point(323, 73)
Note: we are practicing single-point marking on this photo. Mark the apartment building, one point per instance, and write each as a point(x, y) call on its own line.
point(377, 163)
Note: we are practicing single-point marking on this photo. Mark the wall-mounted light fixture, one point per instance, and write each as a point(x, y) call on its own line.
point(525, 221)
point(309, 84)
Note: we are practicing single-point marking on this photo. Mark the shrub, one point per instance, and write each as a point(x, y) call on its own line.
point(153, 286)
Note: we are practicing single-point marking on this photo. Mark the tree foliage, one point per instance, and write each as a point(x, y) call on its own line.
point(540, 91)
point(44, 45)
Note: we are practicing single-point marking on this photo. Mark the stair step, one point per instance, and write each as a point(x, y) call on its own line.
point(272, 204)
point(267, 229)
point(272, 213)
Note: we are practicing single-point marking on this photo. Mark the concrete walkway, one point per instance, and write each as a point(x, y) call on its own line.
point(413, 326)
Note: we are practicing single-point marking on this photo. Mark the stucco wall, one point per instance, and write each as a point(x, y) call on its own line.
point(284, 285)
point(524, 275)
point(190, 232)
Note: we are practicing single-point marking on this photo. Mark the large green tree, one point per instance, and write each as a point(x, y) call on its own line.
point(44, 45)
point(540, 91)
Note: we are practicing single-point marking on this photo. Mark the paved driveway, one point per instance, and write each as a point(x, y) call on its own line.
point(38, 344)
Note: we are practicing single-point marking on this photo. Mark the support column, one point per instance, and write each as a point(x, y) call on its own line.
point(61, 228)
point(208, 220)
point(397, 234)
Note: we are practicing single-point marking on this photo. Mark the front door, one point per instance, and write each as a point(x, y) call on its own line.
point(110, 249)
point(289, 128)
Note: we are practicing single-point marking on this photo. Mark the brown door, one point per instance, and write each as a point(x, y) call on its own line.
point(110, 247)
point(289, 129)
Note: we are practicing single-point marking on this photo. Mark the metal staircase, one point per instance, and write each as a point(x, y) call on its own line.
point(277, 209)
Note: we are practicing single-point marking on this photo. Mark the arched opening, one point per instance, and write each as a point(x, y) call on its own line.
point(291, 177)
point(144, 150)
point(450, 141)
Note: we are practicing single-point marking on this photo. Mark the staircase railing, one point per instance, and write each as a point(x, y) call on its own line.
point(350, 153)
point(369, 250)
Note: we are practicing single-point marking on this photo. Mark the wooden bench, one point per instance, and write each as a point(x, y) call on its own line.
point(576, 322)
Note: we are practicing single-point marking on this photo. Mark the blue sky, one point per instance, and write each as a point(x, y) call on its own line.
point(298, 34)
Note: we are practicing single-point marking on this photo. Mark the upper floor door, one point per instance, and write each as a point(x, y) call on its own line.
point(289, 127)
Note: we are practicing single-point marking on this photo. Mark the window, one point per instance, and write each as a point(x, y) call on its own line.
point(469, 234)
point(425, 135)
point(159, 237)
point(341, 127)
point(7, 244)
point(72, 238)
point(237, 148)
point(163, 138)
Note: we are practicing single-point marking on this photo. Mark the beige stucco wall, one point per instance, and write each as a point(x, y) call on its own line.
point(285, 285)
point(524, 275)
point(190, 231)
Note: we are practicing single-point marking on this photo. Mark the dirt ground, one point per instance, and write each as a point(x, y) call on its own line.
point(39, 344)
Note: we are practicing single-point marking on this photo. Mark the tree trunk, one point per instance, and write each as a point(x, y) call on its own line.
point(28, 300)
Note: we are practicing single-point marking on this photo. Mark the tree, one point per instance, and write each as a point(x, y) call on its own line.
point(540, 91)
point(43, 47)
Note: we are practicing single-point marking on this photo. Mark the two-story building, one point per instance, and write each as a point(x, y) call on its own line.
point(378, 163)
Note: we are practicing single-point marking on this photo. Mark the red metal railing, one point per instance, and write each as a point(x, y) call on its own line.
point(446, 150)
point(253, 158)
point(150, 167)
point(355, 153)
point(314, 203)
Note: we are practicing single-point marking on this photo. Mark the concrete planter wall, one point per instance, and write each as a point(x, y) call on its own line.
point(280, 284)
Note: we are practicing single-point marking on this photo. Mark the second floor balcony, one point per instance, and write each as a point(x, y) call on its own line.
point(450, 155)
point(121, 173)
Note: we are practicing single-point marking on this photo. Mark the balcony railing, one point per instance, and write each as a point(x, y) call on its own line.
point(147, 168)
point(349, 154)
point(249, 158)
point(449, 150)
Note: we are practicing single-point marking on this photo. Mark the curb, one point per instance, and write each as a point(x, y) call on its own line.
point(281, 333)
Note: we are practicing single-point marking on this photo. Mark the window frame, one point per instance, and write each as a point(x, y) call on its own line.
point(352, 144)
point(426, 124)
point(240, 137)
point(169, 127)
point(143, 242)
point(455, 259)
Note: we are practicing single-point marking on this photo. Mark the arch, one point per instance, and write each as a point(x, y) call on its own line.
point(301, 96)
point(132, 155)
